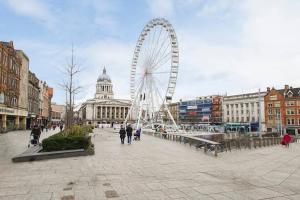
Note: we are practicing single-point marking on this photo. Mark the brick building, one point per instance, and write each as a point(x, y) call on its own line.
point(10, 67)
point(173, 108)
point(33, 99)
point(282, 110)
point(216, 113)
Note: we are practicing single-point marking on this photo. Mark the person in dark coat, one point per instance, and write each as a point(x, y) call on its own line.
point(36, 133)
point(129, 133)
point(122, 133)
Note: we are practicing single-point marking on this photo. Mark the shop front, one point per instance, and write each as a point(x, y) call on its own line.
point(12, 119)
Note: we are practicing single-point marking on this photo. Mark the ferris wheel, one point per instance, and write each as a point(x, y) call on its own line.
point(153, 76)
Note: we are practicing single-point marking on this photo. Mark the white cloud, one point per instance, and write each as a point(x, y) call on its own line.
point(115, 56)
point(159, 8)
point(33, 8)
point(266, 52)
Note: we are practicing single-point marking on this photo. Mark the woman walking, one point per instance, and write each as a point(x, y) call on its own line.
point(122, 133)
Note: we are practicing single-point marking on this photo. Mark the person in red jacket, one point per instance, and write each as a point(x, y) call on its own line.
point(286, 140)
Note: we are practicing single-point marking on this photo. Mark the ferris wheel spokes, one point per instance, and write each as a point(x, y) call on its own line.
point(155, 63)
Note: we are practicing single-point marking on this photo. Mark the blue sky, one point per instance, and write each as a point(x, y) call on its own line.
point(226, 46)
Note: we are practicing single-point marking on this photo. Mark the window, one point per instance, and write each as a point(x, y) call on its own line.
point(248, 119)
point(290, 111)
point(290, 103)
point(270, 105)
point(290, 121)
point(270, 111)
point(270, 117)
point(299, 112)
point(277, 104)
point(242, 119)
point(228, 112)
point(290, 93)
point(298, 121)
point(273, 97)
point(277, 111)
point(242, 112)
point(236, 105)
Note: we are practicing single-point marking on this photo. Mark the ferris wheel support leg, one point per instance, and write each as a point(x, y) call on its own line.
point(170, 115)
point(127, 117)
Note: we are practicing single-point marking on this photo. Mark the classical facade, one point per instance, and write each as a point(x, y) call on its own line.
point(10, 67)
point(104, 108)
point(283, 110)
point(244, 111)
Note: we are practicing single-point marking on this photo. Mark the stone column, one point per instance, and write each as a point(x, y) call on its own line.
point(4, 122)
point(105, 114)
point(23, 123)
point(124, 116)
point(101, 112)
point(115, 116)
point(17, 121)
point(110, 113)
point(249, 112)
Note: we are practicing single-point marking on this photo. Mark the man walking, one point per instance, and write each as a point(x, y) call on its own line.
point(122, 133)
point(129, 133)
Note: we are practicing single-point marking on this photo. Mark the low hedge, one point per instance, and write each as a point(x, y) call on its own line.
point(58, 142)
point(75, 137)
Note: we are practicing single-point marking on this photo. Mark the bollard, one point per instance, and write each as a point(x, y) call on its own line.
point(216, 150)
point(205, 148)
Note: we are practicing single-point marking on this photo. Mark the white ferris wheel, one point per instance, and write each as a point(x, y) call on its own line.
point(153, 76)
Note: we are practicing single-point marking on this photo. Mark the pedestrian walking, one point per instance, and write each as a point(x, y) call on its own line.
point(129, 133)
point(122, 133)
point(286, 140)
point(61, 127)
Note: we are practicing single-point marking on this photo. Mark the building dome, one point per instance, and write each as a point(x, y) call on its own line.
point(104, 76)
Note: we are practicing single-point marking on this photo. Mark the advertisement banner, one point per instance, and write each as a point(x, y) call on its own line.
point(192, 113)
point(192, 107)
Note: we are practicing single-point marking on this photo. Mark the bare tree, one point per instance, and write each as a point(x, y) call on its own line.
point(68, 85)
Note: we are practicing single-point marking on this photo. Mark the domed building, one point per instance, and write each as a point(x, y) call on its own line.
point(104, 109)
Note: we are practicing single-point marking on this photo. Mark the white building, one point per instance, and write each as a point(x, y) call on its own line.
point(104, 109)
point(244, 109)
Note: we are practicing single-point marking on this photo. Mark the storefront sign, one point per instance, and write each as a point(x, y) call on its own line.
point(7, 111)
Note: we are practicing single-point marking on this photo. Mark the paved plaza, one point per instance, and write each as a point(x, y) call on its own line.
point(149, 169)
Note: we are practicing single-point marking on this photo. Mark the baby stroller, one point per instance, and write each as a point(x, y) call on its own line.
point(137, 135)
point(34, 137)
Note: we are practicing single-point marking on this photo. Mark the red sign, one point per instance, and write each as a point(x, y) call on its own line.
point(192, 113)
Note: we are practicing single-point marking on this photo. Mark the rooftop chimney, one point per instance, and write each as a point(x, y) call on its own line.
point(268, 89)
point(286, 87)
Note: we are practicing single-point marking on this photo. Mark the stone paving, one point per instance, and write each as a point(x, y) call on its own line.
point(149, 169)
